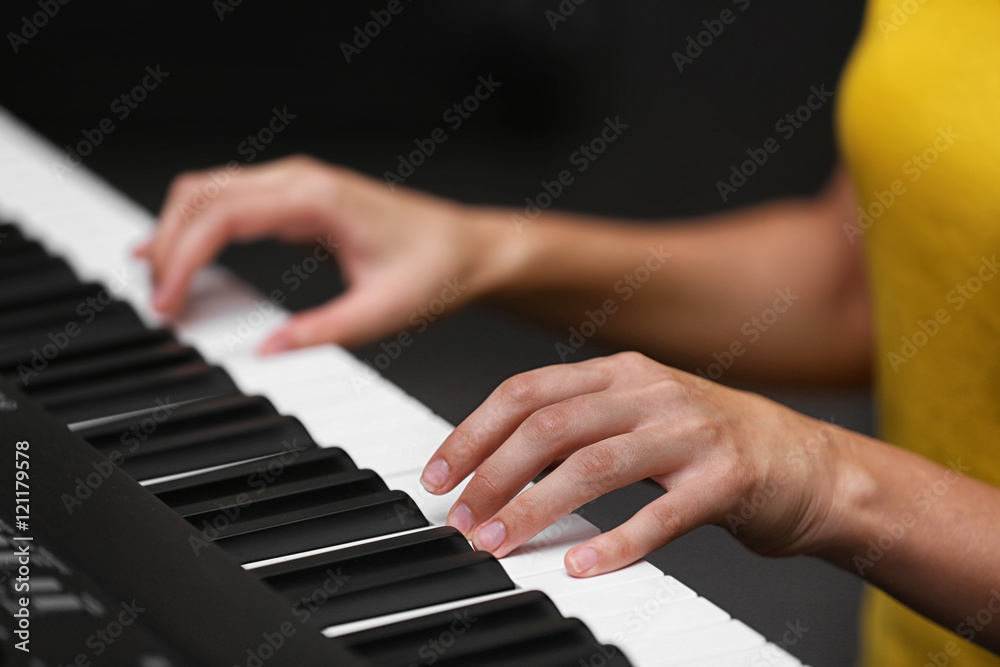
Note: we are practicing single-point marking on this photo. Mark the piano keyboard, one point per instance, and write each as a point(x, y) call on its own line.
point(239, 446)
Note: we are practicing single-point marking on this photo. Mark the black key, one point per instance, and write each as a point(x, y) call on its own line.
point(523, 629)
point(81, 370)
point(120, 556)
point(395, 574)
point(284, 468)
point(18, 362)
point(188, 418)
point(198, 435)
point(276, 500)
point(19, 274)
point(120, 393)
point(11, 239)
point(18, 257)
point(63, 300)
point(30, 320)
point(252, 534)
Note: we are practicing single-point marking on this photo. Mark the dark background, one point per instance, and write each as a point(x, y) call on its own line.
point(606, 59)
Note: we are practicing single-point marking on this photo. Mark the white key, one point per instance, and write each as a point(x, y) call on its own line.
point(435, 508)
point(696, 644)
point(559, 583)
point(640, 595)
point(639, 624)
point(546, 551)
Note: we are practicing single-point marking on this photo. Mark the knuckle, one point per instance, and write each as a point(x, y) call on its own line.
point(631, 358)
point(666, 518)
point(520, 389)
point(487, 483)
point(522, 511)
point(301, 160)
point(670, 386)
point(460, 444)
point(620, 547)
point(548, 423)
point(599, 466)
point(184, 183)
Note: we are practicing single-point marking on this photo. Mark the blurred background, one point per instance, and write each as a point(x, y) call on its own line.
point(363, 100)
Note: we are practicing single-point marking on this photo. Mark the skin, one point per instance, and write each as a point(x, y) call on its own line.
point(609, 422)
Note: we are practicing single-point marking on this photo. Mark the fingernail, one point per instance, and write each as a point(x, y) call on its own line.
point(582, 560)
point(461, 519)
point(435, 475)
point(279, 342)
point(490, 536)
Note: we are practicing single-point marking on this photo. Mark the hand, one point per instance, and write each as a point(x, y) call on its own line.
point(617, 420)
point(396, 249)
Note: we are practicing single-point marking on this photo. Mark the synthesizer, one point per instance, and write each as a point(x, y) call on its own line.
point(172, 499)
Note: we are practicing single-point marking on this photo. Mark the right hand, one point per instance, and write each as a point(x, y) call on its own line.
point(396, 249)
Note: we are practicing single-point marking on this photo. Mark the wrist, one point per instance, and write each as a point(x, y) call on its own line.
point(499, 257)
point(855, 502)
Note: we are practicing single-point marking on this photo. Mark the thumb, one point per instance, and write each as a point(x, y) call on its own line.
point(357, 317)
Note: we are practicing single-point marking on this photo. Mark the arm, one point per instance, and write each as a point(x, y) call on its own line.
point(717, 289)
point(828, 492)
point(397, 249)
point(926, 534)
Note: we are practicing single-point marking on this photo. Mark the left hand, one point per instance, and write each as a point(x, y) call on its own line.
point(624, 418)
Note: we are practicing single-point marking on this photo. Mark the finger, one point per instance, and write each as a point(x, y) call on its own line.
point(681, 510)
point(191, 197)
point(235, 217)
point(141, 251)
point(588, 474)
point(175, 213)
point(502, 412)
point(554, 430)
point(361, 315)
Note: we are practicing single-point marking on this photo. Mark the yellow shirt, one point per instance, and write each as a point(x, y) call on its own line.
point(919, 123)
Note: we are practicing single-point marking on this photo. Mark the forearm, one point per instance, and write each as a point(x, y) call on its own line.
point(928, 535)
point(772, 293)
